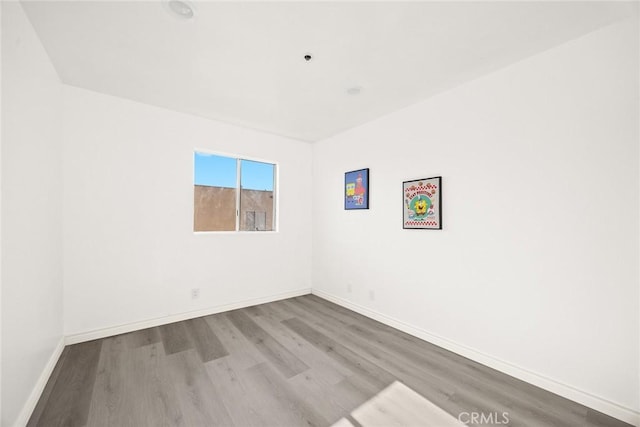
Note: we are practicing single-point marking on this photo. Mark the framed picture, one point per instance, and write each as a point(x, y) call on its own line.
point(422, 204)
point(356, 189)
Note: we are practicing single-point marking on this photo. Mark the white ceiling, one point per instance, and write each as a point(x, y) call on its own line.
point(243, 62)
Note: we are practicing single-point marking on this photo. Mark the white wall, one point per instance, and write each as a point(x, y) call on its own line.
point(537, 264)
point(31, 211)
point(129, 250)
point(1, 134)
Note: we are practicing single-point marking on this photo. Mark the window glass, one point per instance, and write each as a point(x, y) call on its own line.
point(215, 194)
point(225, 200)
point(257, 196)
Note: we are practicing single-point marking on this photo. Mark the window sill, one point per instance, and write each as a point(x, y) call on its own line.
point(235, 232)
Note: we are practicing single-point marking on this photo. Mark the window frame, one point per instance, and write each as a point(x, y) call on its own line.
point(238, 158)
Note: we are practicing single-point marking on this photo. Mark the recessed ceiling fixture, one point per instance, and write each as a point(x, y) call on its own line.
point(355, 90)
point(181, 9)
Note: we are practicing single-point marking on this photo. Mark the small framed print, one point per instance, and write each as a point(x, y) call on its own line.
point(356, 189)
point(422, 204)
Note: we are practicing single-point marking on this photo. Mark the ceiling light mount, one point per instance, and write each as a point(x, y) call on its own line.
point(181, 9)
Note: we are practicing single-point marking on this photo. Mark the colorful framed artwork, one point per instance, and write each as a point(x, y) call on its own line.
point(422, 204)
point(356, 189)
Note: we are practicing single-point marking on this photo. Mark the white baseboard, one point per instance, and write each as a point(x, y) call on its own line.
point(595, 402)
point(130, 327)
point(32, 400)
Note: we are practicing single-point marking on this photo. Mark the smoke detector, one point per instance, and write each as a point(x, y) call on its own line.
point(181, 9)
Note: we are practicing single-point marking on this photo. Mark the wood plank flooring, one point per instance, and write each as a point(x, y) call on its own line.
point(297, 362)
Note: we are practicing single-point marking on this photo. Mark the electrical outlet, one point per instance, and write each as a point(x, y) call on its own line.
point(372, 295)
point(195, 293)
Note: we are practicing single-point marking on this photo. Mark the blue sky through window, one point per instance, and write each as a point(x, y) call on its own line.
point(215, 171)
point(219, 171)
point(256, 175)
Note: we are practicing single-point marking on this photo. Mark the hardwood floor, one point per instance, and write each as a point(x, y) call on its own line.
point(301, 361)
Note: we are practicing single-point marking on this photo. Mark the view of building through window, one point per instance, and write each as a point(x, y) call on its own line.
point(232, 194)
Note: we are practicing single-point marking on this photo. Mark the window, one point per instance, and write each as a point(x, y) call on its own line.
point(232, 194)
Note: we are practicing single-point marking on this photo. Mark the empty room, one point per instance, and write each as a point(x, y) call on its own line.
point(319, 213)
